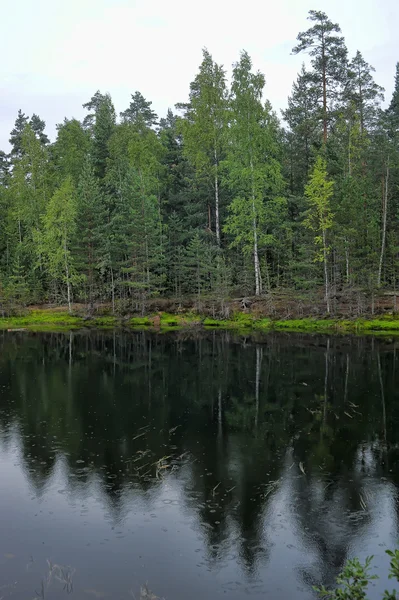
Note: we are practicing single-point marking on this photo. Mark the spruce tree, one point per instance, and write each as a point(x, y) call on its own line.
point(363, 92)
point(90, 238)
point(103, 129)
point(302, 142)
point(393, 109)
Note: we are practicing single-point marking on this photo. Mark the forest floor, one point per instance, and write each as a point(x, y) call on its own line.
point(259, 315)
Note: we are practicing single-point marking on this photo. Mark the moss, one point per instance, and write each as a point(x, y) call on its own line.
point(208, 322)
point(106, 321)
point(139, 322)
point(263, 324)
point(378, 325)
point(59, 320)
point(41, 317)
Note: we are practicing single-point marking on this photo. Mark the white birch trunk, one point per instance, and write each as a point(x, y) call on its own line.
point(384, 225)
point(217, 224)
point(67, 273)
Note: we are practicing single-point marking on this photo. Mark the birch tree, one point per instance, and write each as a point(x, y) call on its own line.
point(204, 128)
point(254, 173)
point(59, 229)
point(319, 217)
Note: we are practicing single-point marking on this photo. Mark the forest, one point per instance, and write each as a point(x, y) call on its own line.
point(221, 198)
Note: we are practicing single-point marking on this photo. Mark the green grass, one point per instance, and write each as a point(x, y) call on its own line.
point(53, 320)
point(139, 322)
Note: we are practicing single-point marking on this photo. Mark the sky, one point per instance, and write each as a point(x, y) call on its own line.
point(57, 53)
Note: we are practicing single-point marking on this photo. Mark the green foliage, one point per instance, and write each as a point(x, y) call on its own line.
point(103, 129)
point(218, 202)
point(70, 149)
point(355, 579)
point(139, 112)
point(319, 217)
point(59, 229)
point(329, 62)
point(91, 243)
point(257, 211)
point(204, 129)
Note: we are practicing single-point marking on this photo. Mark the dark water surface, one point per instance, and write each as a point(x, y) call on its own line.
point(207, 466)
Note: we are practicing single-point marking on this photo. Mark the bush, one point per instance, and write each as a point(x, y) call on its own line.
point(355, 578)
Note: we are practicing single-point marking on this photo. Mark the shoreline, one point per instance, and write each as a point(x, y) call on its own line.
point(60, 320)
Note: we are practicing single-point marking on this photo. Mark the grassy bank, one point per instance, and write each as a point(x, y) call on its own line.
point(61, 320)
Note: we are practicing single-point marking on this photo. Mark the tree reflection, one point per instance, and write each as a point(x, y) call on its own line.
point(231, 418)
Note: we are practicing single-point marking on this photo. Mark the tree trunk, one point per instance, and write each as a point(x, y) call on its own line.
point(217, 225)
point(347, 261)
point(361, 106)
point(258, 279)
point(112, 290)
point(384, 225)
point(67, 277)
point(324, 96)
point(327, 293)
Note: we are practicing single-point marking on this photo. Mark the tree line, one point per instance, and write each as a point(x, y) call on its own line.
point(218, 199)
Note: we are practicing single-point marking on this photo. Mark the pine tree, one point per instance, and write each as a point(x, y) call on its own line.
point(16, 134)
point(38, 127)
point(329, 61)
point(4, 169)
point(139, 112)
point(93, 106)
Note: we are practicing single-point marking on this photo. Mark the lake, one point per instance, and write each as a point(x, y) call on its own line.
point(194, 465)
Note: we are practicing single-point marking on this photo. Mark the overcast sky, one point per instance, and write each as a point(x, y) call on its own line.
point(57, 53)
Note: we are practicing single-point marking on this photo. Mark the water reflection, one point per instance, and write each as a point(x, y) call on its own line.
point(202, 464)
